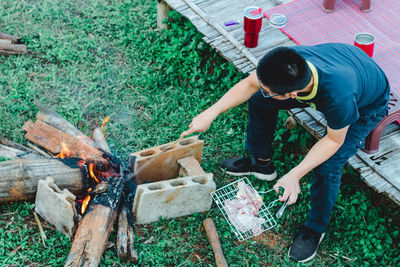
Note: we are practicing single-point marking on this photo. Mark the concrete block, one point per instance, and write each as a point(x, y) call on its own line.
point(189, 167)
point(55, 206)
point(173, 198)
point(165, 166)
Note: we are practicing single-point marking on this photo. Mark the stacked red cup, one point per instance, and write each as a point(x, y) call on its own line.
point(252, 25)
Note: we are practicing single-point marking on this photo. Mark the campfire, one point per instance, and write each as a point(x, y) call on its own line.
point(98, 187)
point(104, 187)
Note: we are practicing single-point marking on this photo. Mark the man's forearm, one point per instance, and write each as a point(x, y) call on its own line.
point(238, 94)
point(319, 153)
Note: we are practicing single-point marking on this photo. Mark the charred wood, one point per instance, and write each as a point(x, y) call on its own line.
point(92, 233)
point(126, 238)
point(122, 236)
point(132, 252)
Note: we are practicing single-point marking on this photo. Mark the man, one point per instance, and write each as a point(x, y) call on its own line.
point(345, 85)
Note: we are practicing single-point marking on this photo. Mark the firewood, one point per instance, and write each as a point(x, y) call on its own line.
point(13, 39)
point(52, 139)
point(215, 242)
point(10, 143)
point(19, 178)
point(122, 236)
point(12, 153)
point(52, 118)
point(132, 253)
point(12, 49)
point(39, 151)
point(100, 140)
point(92, 233)
point(4, 41)
point(126, 239)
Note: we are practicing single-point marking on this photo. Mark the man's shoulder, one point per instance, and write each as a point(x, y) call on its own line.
point(331, 52)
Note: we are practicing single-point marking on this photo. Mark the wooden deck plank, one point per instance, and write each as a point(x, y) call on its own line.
point(379, 170)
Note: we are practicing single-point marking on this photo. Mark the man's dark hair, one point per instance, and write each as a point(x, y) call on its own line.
point(283, 70)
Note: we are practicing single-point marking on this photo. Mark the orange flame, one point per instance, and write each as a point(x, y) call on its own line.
point(103, 124)
point(85, 202)
point(91, 171)
point(65, 152)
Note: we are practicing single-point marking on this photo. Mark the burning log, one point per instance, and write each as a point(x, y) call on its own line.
point(125, 237)
point(52, 118)
point(53, 139)
point(91, 236)
point(19, 178)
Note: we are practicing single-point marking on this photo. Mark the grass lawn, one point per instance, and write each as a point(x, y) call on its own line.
point(90, 59)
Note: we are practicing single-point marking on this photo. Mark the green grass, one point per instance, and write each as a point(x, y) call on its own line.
point(90, 59)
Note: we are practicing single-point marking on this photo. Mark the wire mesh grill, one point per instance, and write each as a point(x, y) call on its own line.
point(229, 192)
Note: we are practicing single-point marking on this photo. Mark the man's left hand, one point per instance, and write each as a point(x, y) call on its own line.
point(290, 183)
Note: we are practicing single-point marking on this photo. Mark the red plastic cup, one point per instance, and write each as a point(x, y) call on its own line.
point(252, 26)
point(366, 42)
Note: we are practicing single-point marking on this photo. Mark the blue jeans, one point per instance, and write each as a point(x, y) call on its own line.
point(263, 114)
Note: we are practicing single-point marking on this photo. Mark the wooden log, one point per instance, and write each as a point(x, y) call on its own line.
point(19, 178)
point(100, 140)
point(162, 13)
point(215, 242)
point(126, 239)
point(122, 236)
point(10, 143)
point(91, 236)
point(39, 151)
point(52, 118)
point(12, 153)
point(12, 49)
point(13, 39)
point(132, 252)
point(4, 41)
point(52, 139)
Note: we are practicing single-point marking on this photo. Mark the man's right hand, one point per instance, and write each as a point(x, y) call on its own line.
point(200, 123)
point(238, 94)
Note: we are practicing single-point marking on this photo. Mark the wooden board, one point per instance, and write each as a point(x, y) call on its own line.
point(379, 170)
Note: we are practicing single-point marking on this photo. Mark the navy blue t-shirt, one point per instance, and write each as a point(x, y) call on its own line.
point(350, 83)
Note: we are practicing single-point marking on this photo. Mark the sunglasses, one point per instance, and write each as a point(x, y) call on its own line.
point(264, 93)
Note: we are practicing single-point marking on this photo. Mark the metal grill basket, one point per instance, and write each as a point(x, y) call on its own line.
point(229, 192)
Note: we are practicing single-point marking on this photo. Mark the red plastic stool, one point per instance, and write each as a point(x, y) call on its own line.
point(329, 5)
point(372, 140)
